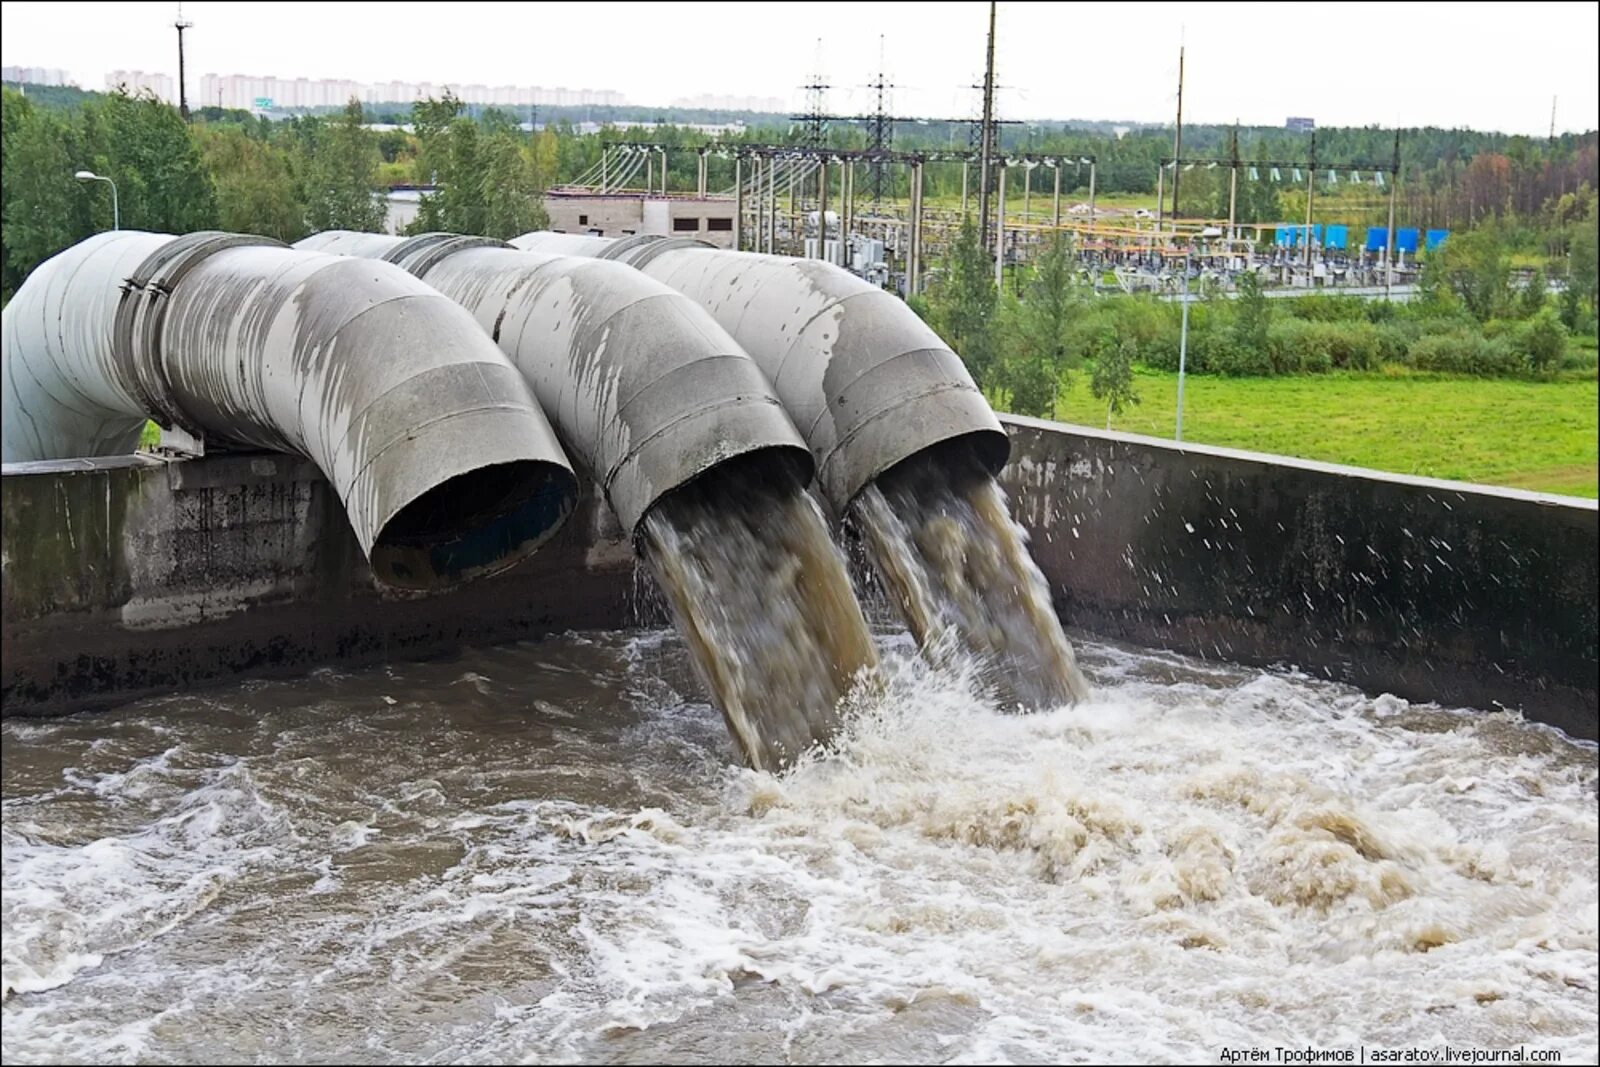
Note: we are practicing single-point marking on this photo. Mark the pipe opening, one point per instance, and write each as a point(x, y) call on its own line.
point(988, 449)
point(472, 525)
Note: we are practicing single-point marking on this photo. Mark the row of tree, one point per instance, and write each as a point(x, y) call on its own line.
point(281, 180)
point(285, 179)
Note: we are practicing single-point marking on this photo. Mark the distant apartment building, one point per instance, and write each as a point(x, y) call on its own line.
point(139, 82)
point(35, 75)
point(268, 91)
point(723, 102)
point(1295, 124)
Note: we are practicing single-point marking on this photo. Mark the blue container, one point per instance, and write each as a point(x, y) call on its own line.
point(1406, 239)
point(1434, 239)
point(1377, 238)
point(1338, 237)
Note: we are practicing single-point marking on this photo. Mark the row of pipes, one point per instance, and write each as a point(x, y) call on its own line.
point(451, 387)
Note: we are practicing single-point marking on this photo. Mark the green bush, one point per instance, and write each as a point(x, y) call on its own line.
point(1328, 307)
point(1460, 352)
point(1542, 341)
point(1296, 346)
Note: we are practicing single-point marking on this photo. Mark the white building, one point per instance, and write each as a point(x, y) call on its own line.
point(36, 76)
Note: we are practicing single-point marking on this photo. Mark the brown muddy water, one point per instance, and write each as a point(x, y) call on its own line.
point(763, 601)
point(942, 541)
point(552, 852)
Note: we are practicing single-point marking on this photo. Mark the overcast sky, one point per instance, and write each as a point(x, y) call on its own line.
point(1488, 66)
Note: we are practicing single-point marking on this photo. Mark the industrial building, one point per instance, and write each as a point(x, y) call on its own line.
point(619, 214)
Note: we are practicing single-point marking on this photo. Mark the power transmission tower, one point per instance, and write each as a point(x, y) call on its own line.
point(987, 139)
point(814, 123)
point(880, 132)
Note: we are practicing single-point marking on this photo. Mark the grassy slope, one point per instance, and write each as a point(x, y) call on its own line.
point(1532, 435)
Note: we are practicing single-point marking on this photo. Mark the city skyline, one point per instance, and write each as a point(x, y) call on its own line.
point(1391, 64)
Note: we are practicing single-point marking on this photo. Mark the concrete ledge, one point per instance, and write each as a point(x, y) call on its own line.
point(133, 575)
point(1432, 590)
point(127, 578)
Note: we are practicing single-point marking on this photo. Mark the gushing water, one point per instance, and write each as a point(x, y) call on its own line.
point(764, 603)
point(944, 543)
point(545, 853)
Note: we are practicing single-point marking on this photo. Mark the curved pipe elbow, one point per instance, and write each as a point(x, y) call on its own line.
point(646, 390)
point(442, 458)
point(866, 381)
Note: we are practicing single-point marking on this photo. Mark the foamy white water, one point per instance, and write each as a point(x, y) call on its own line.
point(545, 853)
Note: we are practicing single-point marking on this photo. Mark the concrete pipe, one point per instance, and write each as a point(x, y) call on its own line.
point(867, 382)
point(645, 389)
point(440, 454)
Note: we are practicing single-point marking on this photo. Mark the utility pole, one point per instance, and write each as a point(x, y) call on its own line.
point(1552, 120)
point(1000, 234)
point(1183, 342)
point(183, 96)
point(1177, 140)
point(738, 200)
point(986, 143)
point(1233, 184)
point(1057, 209)
point(1388, 244)
point(1311, 186)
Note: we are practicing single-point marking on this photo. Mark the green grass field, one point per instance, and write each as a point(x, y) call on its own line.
point(1531, 435)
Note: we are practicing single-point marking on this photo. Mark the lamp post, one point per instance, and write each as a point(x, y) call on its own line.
point(116, 211)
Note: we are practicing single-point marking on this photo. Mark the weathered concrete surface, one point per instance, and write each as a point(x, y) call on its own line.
point(1430, 590)
point(130, 576)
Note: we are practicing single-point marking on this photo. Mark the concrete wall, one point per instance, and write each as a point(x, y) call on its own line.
point(1427, 589)
point(132, 576)
point(616, 215)
point(613, 214)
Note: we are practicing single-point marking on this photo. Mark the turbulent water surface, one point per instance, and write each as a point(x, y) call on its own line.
point(546, 852)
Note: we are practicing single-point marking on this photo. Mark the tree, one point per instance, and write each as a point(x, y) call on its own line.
point(1040, 355)
point(1583, 270)
point(342, 190)
point(1252, 314)
point(1112, 377)
point(255, 184)
point(962, 304)
point(42, 210)
point(511, 191)
point(1470, 267)
point(1532, 297)
point(146, 147)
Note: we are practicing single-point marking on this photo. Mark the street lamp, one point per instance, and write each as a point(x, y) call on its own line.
point(116, 211)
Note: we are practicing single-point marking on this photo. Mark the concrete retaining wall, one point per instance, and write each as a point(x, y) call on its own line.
point(133, 576)
point(130, 576)
point(1430, 590)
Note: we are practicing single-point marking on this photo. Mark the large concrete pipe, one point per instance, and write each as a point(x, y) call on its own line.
point(441, 455)
point(867, 382)
point(646, 390)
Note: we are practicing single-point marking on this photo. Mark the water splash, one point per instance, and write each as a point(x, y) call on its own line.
point(943, 541)
point(1200, 855)
point(764, 603)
